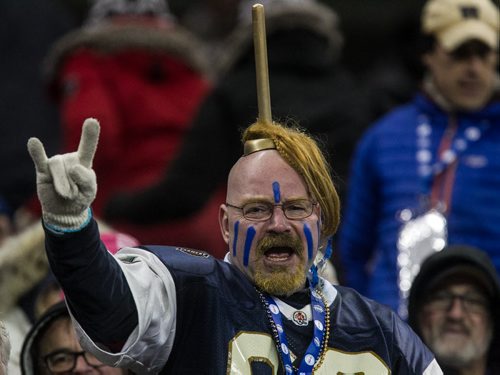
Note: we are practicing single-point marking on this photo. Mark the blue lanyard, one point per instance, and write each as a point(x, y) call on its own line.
point(312, 354)
point(428, 170)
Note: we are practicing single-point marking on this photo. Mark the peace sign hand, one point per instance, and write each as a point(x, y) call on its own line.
point(66, 184)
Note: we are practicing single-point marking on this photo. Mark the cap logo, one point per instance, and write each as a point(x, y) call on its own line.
point(469, 12)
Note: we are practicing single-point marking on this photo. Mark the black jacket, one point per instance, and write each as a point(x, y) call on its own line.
point(307, 86)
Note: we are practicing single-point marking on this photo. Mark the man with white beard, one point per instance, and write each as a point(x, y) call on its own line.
point(454, 306)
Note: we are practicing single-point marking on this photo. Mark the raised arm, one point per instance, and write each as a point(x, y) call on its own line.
point(66, 186)
point(124, 305)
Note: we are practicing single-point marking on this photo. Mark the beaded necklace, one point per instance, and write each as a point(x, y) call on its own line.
point(314, 355)
point(427, 169)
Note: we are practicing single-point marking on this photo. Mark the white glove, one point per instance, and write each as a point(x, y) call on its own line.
point(66, 184)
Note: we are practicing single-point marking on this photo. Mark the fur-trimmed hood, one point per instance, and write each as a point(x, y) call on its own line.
point(283, 15)
point(111, 37)
point(23, 264)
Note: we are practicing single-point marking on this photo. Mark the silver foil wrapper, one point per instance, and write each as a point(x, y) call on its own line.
point(419, 237)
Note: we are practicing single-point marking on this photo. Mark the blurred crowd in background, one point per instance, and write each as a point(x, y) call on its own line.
point(378, 49)
point(173, 88)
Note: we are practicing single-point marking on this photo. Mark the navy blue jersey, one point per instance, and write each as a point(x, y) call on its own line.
point(222, 324)
point(179, 311)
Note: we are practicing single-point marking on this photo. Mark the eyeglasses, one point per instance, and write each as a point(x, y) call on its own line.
point(65, 360)
point(472, 303)
point(262, 211)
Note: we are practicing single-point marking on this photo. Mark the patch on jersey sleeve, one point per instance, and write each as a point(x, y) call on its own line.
point(197, 253)
point(128, 259)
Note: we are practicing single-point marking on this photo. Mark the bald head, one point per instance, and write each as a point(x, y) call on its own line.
point(263, 167)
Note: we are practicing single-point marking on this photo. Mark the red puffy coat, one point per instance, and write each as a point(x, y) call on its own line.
point(144, 85)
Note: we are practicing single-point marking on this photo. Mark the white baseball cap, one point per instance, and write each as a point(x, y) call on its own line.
point(454, 22)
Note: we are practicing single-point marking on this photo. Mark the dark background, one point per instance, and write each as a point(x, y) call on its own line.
point(379, 49)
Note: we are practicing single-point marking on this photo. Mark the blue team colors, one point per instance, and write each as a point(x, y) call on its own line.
point(385, 180)
point(221, 324)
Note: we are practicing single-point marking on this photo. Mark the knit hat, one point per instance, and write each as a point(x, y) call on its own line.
point(29, 349)
point(454, 22)
point(455, 262)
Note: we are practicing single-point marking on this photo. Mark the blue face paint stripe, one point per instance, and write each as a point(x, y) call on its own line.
point(235, 240)
point(248, 245)
point(276, 191)
point(308, 234)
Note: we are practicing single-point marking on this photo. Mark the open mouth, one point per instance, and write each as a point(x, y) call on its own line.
point(278, 254)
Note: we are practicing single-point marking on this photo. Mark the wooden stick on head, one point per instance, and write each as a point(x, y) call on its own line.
point(262, 73)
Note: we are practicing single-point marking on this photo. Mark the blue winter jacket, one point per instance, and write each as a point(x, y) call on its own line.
point(384, 181)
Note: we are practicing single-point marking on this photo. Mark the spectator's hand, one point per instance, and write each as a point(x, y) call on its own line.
point(66, 184)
